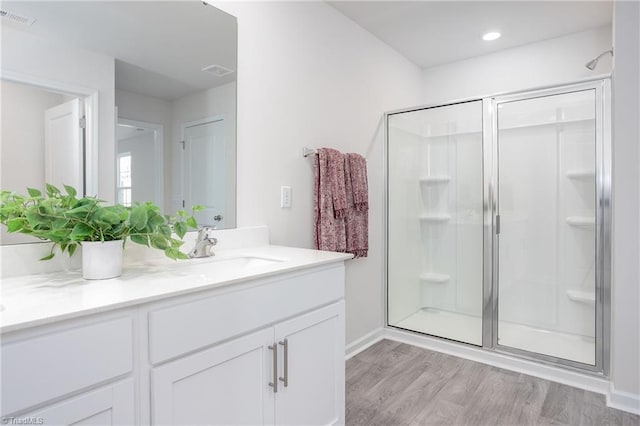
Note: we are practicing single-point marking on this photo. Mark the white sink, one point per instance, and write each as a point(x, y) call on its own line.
point(245, 262)
point(216, 266)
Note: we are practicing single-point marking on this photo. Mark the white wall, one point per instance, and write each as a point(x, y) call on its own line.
point(625, 300)
point(308, 76)
point(554, 61)
point(64, 65)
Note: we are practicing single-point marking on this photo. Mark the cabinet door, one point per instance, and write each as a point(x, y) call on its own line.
point(313, 368)
point(225, 385)
point(111, 405)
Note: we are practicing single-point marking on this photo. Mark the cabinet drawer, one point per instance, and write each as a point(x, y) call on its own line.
point(38, 369)
point(193, 325)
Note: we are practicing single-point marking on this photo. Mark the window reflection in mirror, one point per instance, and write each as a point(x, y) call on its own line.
point(147, 83)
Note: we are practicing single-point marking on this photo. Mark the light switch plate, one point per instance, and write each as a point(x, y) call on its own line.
point(285, 197)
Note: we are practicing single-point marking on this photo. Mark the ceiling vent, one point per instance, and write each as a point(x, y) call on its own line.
point(217, 70)
point(25, 20)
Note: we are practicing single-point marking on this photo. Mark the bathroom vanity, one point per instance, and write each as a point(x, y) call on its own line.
point(251, 336)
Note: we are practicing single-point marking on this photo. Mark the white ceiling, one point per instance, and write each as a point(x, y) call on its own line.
point(173, 40)
point(430, 33)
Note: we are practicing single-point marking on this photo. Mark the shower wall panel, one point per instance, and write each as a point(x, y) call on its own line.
point(435, 185)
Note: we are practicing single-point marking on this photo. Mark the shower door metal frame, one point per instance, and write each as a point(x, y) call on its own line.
point(602, 232)
point(602, 85)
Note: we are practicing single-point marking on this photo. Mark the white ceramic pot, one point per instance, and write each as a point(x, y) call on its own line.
point(101, 260)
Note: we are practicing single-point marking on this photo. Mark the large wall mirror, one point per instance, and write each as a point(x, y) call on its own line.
point(129, 101)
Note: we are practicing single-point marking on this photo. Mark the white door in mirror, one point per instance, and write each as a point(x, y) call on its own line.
point(205, 170)
point(63, 145)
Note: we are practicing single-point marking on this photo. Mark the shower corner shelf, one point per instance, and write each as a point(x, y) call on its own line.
point(430, 180)
point(582, 221)
point(582, 296)
point(581, 174)
point(434, 278)
point(435, 218)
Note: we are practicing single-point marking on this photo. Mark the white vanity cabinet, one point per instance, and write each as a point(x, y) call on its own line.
point(110, 405)
point(91, 361)
point(260, 350)
point(291, 373)
point(286, 367)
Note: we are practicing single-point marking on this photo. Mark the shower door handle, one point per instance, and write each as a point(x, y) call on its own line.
point(497, 224)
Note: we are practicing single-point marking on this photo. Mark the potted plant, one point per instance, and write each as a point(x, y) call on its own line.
point(69, 222)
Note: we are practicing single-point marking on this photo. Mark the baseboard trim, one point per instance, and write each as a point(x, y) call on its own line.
point(624, 401)
point(364, 342)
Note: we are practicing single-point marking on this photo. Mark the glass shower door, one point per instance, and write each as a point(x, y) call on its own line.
point(547, 225)
point(435, 221)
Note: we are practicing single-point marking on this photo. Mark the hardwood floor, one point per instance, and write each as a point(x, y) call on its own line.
point(392, 383)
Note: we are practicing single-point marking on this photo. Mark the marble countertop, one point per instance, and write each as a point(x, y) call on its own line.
point(33, 300)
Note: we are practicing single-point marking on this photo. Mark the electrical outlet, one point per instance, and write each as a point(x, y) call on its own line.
point(285, 197)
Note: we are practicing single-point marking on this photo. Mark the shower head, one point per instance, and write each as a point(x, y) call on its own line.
point(594, 62)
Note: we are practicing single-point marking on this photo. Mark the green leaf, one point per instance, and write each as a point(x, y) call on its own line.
point(158, 241)
point(107, 215)
point(47, 257)
point(34, 192)
point(197, 208)
point(175, 254)
point(70, 190)
point(138, 217)
point(80, 211)
point(81, 232)
point(51, 190)
point(15, 224)
point(191, 222)
point(140, 239)
point(59, 223)
point(180, 228)
point(72, 249)
point(165, 230)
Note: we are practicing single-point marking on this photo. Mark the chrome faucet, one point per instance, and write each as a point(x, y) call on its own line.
point(204, 243)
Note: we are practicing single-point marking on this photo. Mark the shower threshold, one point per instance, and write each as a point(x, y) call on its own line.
point(468, 329)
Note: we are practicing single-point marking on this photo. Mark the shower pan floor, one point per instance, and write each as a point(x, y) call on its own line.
point(468, 329)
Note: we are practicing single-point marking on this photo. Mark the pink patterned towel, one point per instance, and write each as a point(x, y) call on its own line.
point(357, 219)
point(358, 172)
point(330, 201)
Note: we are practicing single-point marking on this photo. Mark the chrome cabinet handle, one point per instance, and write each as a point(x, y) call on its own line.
point(274, 384)
point(285, 378)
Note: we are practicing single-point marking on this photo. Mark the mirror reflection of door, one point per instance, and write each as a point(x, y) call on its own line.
point(63, 145)
point(204, 169)
point(139, 162)
point(41, 141)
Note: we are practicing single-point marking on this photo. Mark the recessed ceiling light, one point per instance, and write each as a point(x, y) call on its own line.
point(491, 36)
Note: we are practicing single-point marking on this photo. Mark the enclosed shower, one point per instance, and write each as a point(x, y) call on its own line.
point(498, 223)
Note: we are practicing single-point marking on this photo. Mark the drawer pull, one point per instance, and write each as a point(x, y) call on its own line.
point(274, 384)
point(285, 378)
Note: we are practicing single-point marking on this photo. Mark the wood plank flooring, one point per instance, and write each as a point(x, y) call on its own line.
point(392, 384)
